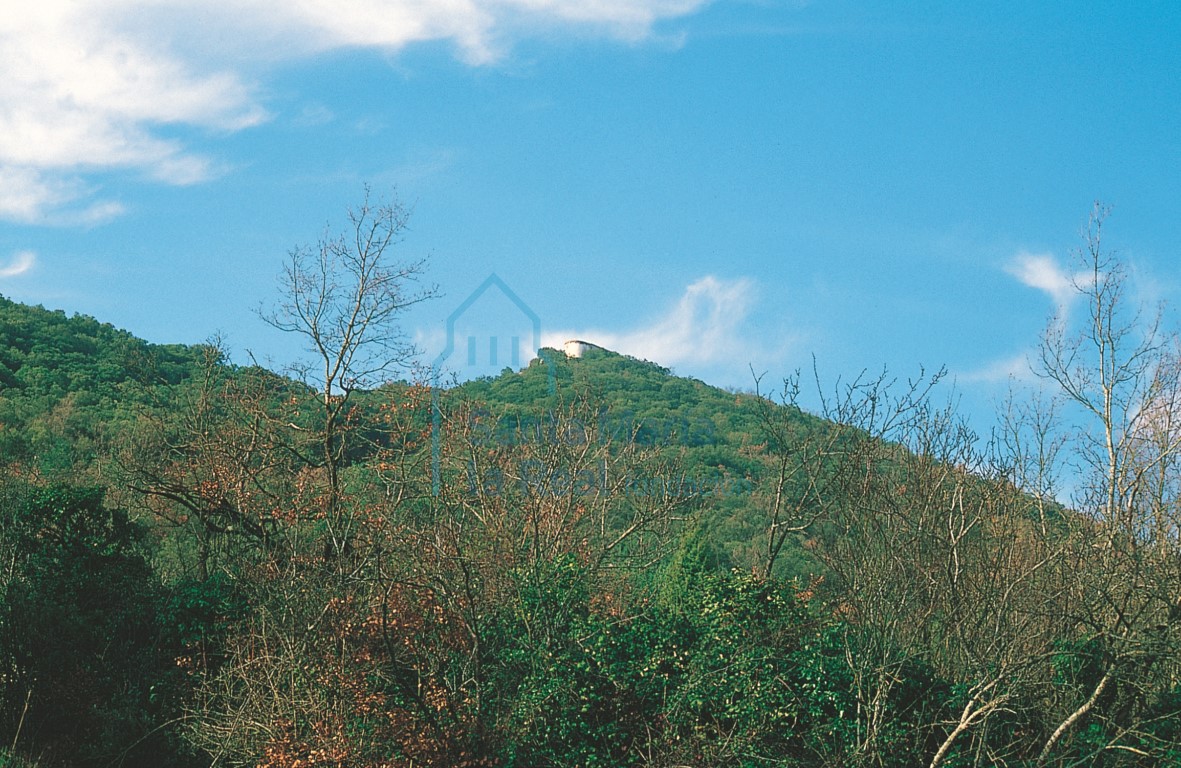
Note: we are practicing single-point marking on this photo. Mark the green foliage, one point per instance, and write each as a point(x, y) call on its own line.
point(571, 697)
point(69, 383)
point(199, 615)
point(81, 632)
point(734, 702)
point(722, 669)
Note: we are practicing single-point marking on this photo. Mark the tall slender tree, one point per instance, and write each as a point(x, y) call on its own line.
point(345, 297)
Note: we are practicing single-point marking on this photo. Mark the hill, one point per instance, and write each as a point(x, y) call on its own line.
point(65, 381)
point(590, 561)
point(71, 387)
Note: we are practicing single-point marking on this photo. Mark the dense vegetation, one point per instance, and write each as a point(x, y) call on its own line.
point(590, 562)
point(65, 380)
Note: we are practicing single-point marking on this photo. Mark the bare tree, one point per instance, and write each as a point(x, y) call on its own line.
point(346, 297)
point(966, 560)
point(939, 560)
point(1108, 368)
point(300, 665)
point(1116, 374)
point(799, 449)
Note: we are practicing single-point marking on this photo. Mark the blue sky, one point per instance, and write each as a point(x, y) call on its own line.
point(710, 185)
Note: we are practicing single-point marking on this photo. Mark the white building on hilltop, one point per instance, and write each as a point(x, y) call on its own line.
point(578, 348)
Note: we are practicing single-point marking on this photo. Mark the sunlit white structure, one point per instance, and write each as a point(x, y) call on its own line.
point(578, 348)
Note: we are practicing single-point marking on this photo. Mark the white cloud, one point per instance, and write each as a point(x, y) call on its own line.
point(1015, 368)
point(706, 326)
point(88, 85)
point(28, 195)
point(94, 213)
point(83, 91)
point(1042, 271)
point(21, 263)
point(24, 193)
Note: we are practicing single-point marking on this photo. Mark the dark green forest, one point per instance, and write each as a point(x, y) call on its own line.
point(588, 562)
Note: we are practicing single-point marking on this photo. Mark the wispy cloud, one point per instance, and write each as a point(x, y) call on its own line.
point(87, 87)
point(21, 263)
point(1042, 271)
point(706, 326)
point(29, 195)
point(1015, 368)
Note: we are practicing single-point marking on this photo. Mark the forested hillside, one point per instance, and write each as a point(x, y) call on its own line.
point(66, 379)
point(589, 562)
